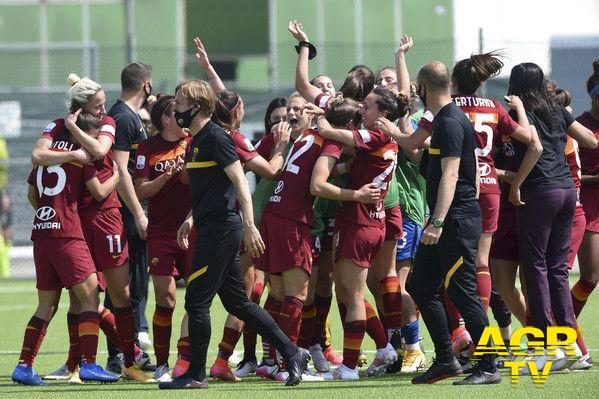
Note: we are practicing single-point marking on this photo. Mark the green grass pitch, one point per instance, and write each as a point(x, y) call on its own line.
point(18, 301)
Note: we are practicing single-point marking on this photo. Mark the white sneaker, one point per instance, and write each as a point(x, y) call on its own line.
point(582, 363)
point(236, 357)
point(384, 357)
point(60, 374)
point(342, 373)
point(245, 368)
point(320, 363)
point(311, 376)
point(145, 342)
point(162, 374)
point(541, 357)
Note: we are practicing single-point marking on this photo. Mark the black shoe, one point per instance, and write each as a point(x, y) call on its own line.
point(115, 364)
point(439, 371)
point(479, 377)
point(145, 362)
point(184, 381)
point(469, 368)
point(296, 366)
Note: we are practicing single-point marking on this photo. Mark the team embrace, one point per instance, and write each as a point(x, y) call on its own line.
point(427, 194)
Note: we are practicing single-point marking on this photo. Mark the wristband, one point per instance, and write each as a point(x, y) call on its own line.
point(311, 49)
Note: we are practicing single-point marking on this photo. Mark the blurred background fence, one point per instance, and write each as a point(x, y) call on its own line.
point(42, 41)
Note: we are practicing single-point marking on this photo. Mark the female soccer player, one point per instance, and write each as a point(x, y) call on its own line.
point(61, 255)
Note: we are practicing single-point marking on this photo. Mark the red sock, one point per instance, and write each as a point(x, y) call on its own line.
point(381, 315)
point(108, 327)
point(374, 328)
point(272, 306)
point(453, 314)
point(74, 358)
point(322, 306)
point(580, 341)
point(34, 335)
point(483, 285)
point(580, 293)
point(183, 351)
point(89, 327)
point(162, 326)
point(125, 326)
point(227, 344)
point(307, 326)
point(391, 302)
point(290, 317)
point(353, 334)
point(249, 334)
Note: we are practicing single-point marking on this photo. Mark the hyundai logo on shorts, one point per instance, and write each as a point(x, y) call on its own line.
point(45, 213)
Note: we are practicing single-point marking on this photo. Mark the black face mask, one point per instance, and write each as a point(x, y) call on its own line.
point(422, 96)
point(184, 118)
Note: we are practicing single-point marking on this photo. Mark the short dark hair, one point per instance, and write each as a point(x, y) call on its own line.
point(87, 122)
point(358, 83)
point(134, 75)
point(342, 111)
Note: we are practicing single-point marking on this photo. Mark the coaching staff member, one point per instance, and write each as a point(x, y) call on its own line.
point(218, 184)
point(447, 252)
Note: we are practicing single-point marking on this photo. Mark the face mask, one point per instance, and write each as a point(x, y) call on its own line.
point(184, 118)
point(422, 96)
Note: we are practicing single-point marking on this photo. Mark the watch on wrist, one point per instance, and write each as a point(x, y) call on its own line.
point(438, 223)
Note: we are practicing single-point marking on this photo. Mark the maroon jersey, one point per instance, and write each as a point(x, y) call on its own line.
point(573, 161)
point(489, 120)
point(169, 207)
point(57, 191)
point(375, 161)
point(291, 197)
point(243, 146)
point(265, 146)
point(589, 158)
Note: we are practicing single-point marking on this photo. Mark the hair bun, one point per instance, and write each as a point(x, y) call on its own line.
point(73, 79)
point(596, 66)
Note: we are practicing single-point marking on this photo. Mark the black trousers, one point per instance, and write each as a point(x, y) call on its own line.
point(450, 263)
point(138, 275)
point(216, 270)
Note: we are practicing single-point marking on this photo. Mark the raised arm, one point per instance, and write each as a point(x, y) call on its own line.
point(96, 147)
point(204, 63)
point(302, 81)
point(272, 169)
point(409, 142)
point(342, 136)
point(43, 155)
point(401, 68)
point(100, 190)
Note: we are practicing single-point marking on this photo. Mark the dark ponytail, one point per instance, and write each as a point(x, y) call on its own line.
point(358, 83)
point(528, 82)
point(470, 73)
point(562, 97)
point(396, 105)
point(594, 78)
point(226, 101)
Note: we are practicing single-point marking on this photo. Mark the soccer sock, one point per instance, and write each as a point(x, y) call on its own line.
point(32, 340)
point(411, 334)
point(307, 326)
point(290, 317)
point(374, 328)
point(162, 326)
point(227, 344)
point(453, 313)
point(74, 358)
point(322, 306)
point(125, 326)
point(108, 327)
point(183, 349)
point(89, 326)
point(391, 302)
point(353, 334)
point(483, 285)
point(580, 293)
point(249, 334)
point(381, 315)
point(580, 341)
point(273, 307)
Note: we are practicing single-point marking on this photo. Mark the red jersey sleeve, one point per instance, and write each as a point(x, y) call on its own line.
point(505, 123)
point(53, 129)
point(89, 172)
point(426, 122)
point(331, 148)
point(245, 149)
point(142, 163)
point(265, 146)
point(108, 128)
point(322, 100)
point(369, 140)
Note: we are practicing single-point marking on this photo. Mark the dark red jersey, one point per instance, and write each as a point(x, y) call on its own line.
point(489, 120)
point(265, 146)
point(375, 161)
point(169, 207)
point(57, 191)
point(245, 149)
point(589, 158)
point(291, 197)
point(573, 160)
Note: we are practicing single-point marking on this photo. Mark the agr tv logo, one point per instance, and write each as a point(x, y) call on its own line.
point(557, 339)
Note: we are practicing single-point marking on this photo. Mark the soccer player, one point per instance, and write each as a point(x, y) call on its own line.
point(544, 232)
point(218, 186)
point(136, 88)
point(61, 255)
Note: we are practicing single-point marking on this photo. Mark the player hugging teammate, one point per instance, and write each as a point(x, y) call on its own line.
point(340, 205)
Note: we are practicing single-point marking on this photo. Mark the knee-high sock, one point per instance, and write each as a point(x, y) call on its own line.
point(307, 326)
point(391, 302)
point(353, 334)
point(108, 327)
point(290, 317)
point(125, 326)
point(272, 306)
point(374, 328)
point(323, 306)
point(483, 285)
point(74, 358)
point(89, 326)
point(227, 345)
point(32, 340)
point(580, 293)
point(162, 327)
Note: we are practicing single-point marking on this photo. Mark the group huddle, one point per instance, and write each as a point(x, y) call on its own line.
point(426, 193)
